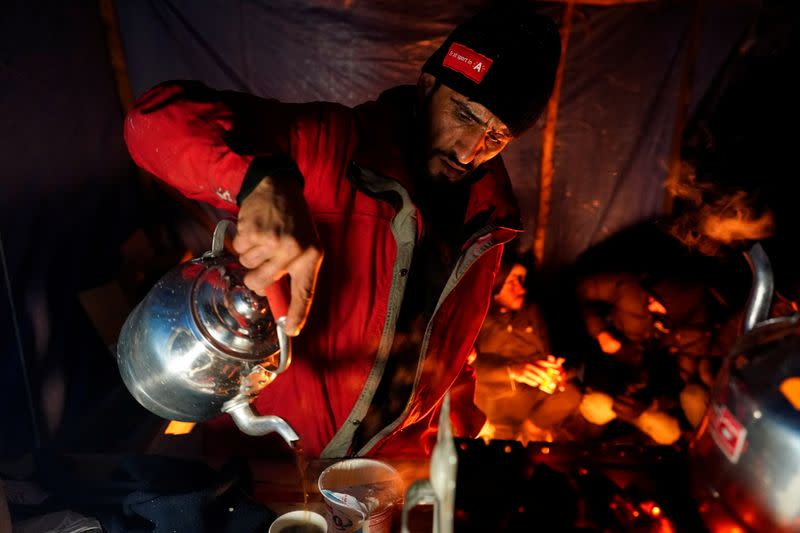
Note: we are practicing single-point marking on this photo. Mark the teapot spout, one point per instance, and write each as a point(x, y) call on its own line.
point(256, 425)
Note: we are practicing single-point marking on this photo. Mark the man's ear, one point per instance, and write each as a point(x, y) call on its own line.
point(425, 85)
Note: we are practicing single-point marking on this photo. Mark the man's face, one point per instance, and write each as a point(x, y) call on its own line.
point(512, 293)
point(461, 134)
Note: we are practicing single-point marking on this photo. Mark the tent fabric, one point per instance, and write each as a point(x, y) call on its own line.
point(70, 196)
point(617, 108)
point(68, 201)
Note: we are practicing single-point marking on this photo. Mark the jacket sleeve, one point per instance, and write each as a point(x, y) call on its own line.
point(204, 142)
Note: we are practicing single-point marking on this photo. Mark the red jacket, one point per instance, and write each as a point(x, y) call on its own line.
point(203, 143)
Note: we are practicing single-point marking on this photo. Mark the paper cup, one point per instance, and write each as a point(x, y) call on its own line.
point(313, 522)
point(360, 495)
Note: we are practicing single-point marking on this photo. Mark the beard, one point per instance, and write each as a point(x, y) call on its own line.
point(442, 166)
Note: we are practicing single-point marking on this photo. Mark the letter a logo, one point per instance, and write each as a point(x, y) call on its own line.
point(467, 62)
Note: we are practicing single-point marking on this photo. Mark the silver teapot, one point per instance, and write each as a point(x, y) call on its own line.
point(200, 344)
point(745, 457)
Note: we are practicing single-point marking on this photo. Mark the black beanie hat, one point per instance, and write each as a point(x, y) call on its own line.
point(504, 58)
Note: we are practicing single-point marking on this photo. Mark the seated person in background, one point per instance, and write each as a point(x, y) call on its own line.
point(662, 335)
point(621, 315)
point(521, 387)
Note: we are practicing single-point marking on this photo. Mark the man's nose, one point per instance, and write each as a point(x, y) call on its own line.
point(470, 146)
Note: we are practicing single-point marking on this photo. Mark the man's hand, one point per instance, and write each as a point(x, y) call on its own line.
point(544, 374)
point(275, 236)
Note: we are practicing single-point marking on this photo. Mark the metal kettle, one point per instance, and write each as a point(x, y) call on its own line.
point(200, 344)
point(745, 456)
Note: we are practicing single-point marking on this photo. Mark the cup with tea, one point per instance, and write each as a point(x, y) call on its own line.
point(299, 522)
point(360, 495)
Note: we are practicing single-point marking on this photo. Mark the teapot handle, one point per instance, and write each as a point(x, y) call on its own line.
point(218, 240)
point(284, 341)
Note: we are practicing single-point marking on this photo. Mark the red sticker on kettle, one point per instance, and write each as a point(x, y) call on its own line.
point(729, 434)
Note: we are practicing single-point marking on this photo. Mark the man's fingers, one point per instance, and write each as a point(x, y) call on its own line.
point(260, 278)
point(264, 246)
point(303, 273)
point(247, 239)
point(255, 256)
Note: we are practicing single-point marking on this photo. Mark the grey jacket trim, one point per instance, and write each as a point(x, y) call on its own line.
point(404, 230)
point(481, 244)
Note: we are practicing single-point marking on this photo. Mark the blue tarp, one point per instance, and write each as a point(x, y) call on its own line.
point(69, 192)
point(617, 109)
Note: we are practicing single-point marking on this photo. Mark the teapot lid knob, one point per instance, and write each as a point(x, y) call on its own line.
point(233, 318)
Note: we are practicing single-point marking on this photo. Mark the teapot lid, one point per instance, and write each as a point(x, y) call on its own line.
point(233, 318)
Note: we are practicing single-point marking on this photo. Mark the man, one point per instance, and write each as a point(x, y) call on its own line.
point(521, 387)
point(407, 201)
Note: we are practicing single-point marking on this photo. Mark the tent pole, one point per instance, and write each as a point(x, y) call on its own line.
point(548, 143)
point(151, 248)
point(116, 52)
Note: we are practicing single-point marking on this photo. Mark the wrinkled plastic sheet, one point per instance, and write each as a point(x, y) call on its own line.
point(617, 109)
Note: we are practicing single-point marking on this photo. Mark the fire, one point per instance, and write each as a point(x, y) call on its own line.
point(487, 432)
point(656, 307)
point(528, 433)
point(179, 428)
point(533, 433)
point(651, 508)
point(665, 526)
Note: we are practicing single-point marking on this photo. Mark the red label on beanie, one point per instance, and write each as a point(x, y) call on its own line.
point(467, 61)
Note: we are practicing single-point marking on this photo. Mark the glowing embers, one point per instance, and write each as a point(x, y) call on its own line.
point(528, 432)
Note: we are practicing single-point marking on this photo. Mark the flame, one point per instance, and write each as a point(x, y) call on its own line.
point(651, 508)
point(487, 432)
point(656, 307)
point(715, 218)
point(665, 526)
point(529, 432)
point(179, 428)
